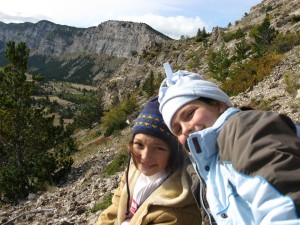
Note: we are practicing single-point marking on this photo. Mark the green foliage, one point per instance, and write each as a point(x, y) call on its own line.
point(201, 35)
point(219, 63)
point(242, 50)
point(285, 42)
point(262, 104)
point(115, 118)
point(296, 18)
point(91, 111)
point(233, 35)
point(118, 164)
point(106, 201)
point(33, 152)
point(79, 68)
point(249, 74)
point(148, 86)
point(263, 36)
point(292, 83)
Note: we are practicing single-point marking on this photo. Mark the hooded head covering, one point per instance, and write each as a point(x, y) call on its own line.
point(183, 87)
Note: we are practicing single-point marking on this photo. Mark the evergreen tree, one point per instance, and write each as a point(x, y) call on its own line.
point(33, 152)
point(219, 63)
point(201, 35)
point(263, 35)
point(242, 50)
point(91, 111)
point(148, 86)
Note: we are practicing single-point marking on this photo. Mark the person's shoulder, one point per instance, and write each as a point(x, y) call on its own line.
point(261, 118)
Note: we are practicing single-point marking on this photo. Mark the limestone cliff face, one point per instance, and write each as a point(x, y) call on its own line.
point(114, 38)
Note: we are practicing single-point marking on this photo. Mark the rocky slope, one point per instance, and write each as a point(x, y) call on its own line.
point(71, 202)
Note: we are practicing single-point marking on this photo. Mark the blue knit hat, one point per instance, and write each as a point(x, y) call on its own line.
point(150, 122)
point(183, 87)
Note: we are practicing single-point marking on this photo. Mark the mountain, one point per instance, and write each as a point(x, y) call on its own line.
point(80, 55)
point(113, 38)
point(73, 202)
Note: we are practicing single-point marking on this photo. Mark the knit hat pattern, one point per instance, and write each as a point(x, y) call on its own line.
point(183, 87)
point(150, 122)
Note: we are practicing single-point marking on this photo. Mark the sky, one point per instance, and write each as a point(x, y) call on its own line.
point(174, 18)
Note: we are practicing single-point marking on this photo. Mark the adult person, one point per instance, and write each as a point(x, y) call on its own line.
point(155, 189)
point(248, 161)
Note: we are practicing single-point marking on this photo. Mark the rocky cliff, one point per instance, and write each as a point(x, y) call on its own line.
point(113, 38)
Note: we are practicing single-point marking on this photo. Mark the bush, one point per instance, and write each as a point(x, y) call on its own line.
point(233, 35)
point(115, 118)
point(262, 104)
point(249, 74)
point(117, 164)
point(285, 42)
point(292, 83)
point(106, 201)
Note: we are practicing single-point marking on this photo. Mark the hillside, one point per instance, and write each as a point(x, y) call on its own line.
point(80, 55)
point(74, 201)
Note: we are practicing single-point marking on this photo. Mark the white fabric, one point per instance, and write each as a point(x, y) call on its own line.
point(145, 185)
point(183, 87)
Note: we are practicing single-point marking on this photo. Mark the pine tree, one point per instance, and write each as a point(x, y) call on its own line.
point(263, 37)
point(242, 50)
point(33, 152)
point(148, 86)
point(219, 63)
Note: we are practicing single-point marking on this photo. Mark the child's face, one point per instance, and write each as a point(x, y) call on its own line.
point(195, 116)
point(152, 153)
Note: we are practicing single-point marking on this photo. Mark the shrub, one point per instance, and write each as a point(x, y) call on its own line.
point(233, 35)
point(115, 118)
point(249, 74)
point(106, 201)
point(292, 83)
point(117, 164)
point(262, 104)
point(285, 42)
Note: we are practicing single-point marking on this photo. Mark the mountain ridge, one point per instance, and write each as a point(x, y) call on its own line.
point(112, 37)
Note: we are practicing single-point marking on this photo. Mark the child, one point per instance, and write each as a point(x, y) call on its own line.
point(248, 161)
point(156, 188)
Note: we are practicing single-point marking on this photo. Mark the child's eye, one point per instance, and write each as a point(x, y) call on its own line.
point(160, 148)
point(137, 145)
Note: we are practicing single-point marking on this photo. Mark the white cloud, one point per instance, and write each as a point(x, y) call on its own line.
point(174, 26)
point(171, 17)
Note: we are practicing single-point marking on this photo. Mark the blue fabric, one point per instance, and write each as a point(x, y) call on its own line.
point(236, 198)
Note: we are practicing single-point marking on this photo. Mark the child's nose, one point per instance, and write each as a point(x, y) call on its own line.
point(145, 154)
